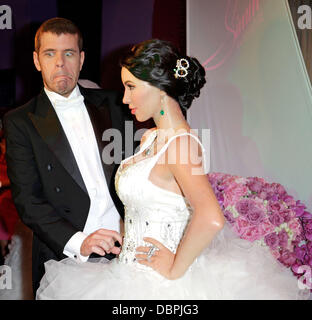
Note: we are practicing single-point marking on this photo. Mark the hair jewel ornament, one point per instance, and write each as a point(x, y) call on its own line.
point(181, 68)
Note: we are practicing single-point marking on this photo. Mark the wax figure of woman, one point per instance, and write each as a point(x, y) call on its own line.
point(177, 244)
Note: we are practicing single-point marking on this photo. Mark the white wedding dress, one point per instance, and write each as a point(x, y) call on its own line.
point(230, 268)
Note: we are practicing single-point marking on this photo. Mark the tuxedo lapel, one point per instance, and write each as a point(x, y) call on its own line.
point(49, 128)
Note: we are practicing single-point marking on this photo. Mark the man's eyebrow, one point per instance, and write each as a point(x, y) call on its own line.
point(46, 50)
point(128, 81)
point(50, 49)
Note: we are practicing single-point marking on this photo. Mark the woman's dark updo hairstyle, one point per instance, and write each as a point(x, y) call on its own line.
point(154, 61)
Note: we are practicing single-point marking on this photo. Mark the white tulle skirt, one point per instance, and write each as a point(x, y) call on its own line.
point(231, 268)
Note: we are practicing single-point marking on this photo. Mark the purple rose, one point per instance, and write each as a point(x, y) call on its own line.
point(243, 206)
point(275, 206)
point(308, 225)
point(300, 252)
point(287, 257)
point(289, 200)
point(298, 239)
point(255, 216)
point(254, 185)
point(263, 195)
point(269, 191)
point(271, 240)
point(276, 219)
point(281, 190)
point(286, 214)
point(308, 234)
point(283, 238)
point(275, 197)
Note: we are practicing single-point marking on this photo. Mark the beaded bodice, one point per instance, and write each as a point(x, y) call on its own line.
point(150, 211)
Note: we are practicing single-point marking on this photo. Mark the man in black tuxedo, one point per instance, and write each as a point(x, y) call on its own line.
point(61, 187)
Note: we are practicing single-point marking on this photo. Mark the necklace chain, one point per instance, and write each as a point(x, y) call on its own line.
point(148, 150)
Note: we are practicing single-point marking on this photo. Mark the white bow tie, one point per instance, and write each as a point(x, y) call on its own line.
point(69, 103)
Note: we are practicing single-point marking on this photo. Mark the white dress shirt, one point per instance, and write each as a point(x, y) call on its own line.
point(74, 118)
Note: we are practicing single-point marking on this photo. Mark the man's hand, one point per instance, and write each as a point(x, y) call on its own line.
point(101, 242)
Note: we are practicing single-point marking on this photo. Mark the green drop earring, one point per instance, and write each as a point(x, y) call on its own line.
point(162, 112)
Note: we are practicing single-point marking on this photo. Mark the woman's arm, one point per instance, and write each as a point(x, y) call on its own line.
point(207, 219)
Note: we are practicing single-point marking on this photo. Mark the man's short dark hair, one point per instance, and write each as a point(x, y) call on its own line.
point(58, 26)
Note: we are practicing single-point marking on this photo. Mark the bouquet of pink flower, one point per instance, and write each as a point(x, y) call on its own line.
point(263, 212)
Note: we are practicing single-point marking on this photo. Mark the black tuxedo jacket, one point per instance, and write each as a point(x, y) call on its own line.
point(47, 187)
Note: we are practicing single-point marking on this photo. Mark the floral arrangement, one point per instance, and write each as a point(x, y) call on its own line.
point(263, 212)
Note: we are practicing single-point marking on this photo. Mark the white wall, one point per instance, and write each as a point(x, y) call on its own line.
point(257, 100)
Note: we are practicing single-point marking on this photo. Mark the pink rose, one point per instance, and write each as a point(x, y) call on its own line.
point(308, 225)
point(280, 190)
point(300, 252)
point(240, 225)
point(252, 234)
point(255, 184)
point(266, 227)
point(271, 240)
point(283, 238)
point(308, 234)
point(244, 206)
point(289, 200)
point(263, 195)
point(275, 206)
point(295, 226)
point(255, 216)
point(287, 215)
point(287, 257)
point(234, 194)
point(276, 219)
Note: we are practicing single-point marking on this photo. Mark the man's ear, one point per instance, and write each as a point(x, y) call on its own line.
point(36, 61)
point(82, 57)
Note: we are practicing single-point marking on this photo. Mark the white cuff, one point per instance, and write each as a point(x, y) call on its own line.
point(72, 247)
